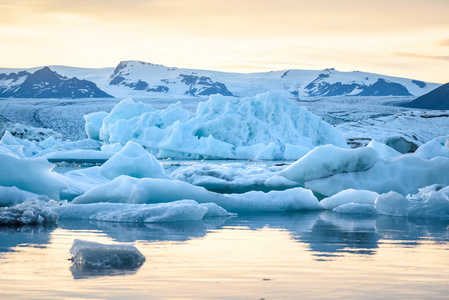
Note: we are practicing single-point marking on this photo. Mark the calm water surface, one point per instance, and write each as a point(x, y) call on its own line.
point(252, 256)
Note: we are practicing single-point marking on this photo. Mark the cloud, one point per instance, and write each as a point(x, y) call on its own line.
point(444, 42)
point(421, 56)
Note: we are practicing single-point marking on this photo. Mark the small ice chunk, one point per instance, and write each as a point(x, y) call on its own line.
point(356, 208)
point(350, 196)
point(93, 255)
point(213, 210)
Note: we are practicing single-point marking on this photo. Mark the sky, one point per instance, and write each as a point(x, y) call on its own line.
point(405, 38)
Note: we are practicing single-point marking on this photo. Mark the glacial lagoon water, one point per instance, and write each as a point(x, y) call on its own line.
point(251, 256)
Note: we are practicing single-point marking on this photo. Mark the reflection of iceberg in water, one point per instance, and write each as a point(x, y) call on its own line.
point(334, 234)
point(79, 272)
point(412, 231)
point(36, 235)
point(151, 232)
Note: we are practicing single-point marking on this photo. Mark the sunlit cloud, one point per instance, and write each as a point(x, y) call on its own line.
point(421, 56)
point(231, 35)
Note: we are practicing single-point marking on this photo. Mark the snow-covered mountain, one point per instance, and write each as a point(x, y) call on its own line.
point(145, 80)
point(45, 83)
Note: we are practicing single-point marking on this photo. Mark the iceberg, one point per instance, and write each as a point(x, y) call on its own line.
point(430, 202)
point(178, 211)
point(384, 151)
point(91, 255)
point(234, 177)
point(30, 212)
point(405, 174)
point(266, 126)
point(32, 175)
point(126, 189)
point(434, 148)
point(10, 196)
point(325, 161)
point(133, 160)
point(350, 196)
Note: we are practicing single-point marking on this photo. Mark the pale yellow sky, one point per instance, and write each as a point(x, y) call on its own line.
point(407, 38)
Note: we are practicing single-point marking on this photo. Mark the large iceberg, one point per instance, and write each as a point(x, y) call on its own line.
point(125, 189)
point(405, 174)
point(266, 126)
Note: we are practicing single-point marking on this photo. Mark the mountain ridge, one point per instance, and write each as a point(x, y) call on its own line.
point(140, 79)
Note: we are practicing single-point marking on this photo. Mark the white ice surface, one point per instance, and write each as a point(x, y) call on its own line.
point(133, 160)
point(10, 195)
point(434, 148)
point(33, 175)
point(384, 151)
point(349, 196)
point(327, 160)
point(93, 255)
